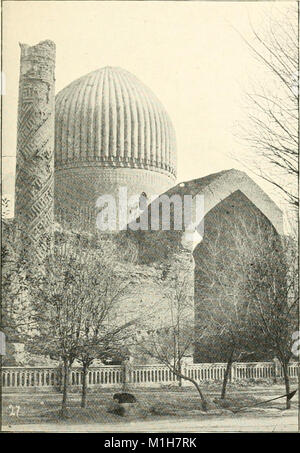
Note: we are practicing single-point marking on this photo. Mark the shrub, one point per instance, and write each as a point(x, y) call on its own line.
point(124, 398)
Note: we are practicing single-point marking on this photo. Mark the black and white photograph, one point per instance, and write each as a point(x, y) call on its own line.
point(149, 253)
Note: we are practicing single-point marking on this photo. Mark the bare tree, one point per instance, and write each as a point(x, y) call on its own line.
point(222, 304)
point(17, 313)
point(5, 207)
point(18, 316)
point(253, 292)
point(59, 306)
point(76, 295)
point(272, 286)
point(272, 126)
point(173, 339)
point(103, 331)
point(102, 341)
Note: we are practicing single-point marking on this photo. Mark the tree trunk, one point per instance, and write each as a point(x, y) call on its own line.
point(179, 377)
point(203, 399)
point(84, 385)
point(124, 382)
point(66, 372)
point(287, 383)
point(227, 373)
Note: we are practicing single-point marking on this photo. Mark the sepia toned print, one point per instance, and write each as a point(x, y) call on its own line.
point(150, 249)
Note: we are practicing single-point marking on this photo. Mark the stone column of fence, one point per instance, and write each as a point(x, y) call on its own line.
point(233, 372)
point(277, 369)
point(127, 371)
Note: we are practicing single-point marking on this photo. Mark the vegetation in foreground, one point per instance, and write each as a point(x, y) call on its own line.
point(176, 402)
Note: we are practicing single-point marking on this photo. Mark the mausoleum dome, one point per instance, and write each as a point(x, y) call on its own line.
point(109, 118)
point(110, 132)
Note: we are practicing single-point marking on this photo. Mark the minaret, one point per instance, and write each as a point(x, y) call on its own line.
point(35, 148)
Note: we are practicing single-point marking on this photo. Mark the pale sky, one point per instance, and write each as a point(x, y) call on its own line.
point(188, 53)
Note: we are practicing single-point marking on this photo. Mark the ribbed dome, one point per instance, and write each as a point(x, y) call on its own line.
point(108, 118)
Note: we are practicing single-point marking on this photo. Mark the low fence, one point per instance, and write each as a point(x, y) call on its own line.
point(240, 371)
point(14, 378)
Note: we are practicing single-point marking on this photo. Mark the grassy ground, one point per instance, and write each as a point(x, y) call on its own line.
point(152, 404)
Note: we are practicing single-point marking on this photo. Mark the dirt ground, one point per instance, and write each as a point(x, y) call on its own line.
point(152, 405)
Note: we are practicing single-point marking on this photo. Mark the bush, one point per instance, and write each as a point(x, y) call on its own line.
point(124, 398)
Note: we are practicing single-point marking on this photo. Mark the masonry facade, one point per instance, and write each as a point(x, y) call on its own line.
point(110, 132)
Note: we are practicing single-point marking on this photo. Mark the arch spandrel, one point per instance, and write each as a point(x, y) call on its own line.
point(213, 189)
point(234, 180)
point(221, 186)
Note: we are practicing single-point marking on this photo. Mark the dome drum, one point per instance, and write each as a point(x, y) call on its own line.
point(120, 162)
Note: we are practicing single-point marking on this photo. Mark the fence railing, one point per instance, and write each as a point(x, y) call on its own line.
point(240, 371)
point(139, 375)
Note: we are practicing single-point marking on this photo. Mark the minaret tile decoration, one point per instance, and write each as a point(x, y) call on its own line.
point(34, 201)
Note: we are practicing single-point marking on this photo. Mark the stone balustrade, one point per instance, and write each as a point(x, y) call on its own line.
point(15, 378)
